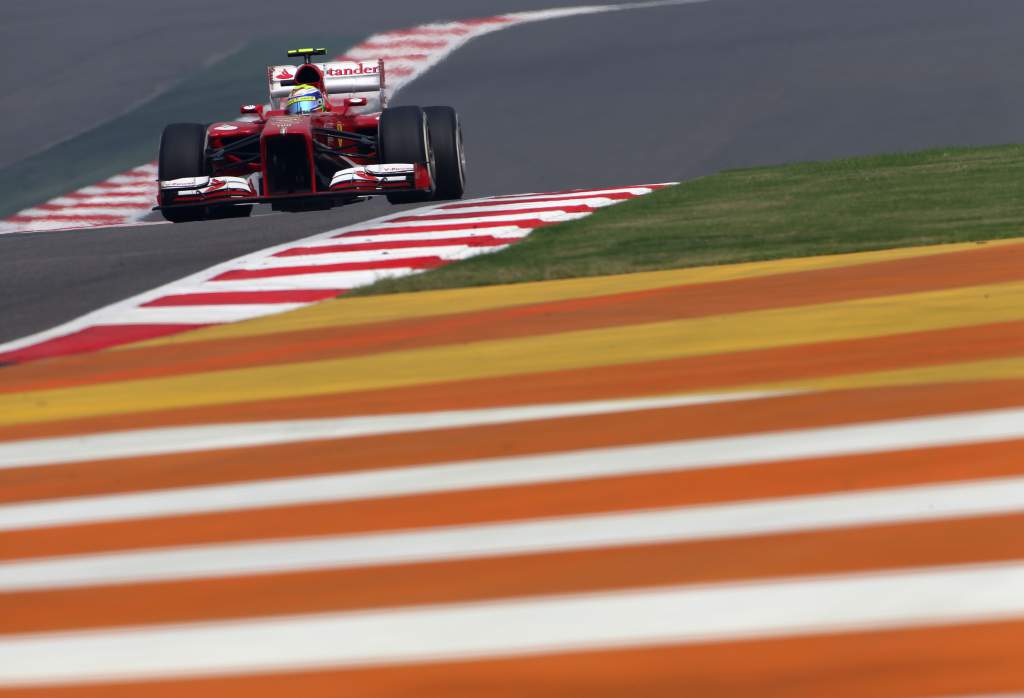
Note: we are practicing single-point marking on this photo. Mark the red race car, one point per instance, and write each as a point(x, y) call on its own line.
point(326, 138)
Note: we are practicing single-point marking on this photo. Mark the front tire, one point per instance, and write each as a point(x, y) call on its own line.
point(446, 138)
point(183, 154)
point(404, 137)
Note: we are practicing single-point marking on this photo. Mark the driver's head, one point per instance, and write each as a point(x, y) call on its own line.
point(305, 99)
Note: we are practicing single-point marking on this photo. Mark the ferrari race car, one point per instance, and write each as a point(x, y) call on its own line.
point(355, 147)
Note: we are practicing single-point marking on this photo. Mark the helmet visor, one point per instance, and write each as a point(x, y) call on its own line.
point(304, 105)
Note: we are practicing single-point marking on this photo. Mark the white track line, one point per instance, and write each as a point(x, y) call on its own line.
point(200, 314)
point(309, 282)
point(78, 211)
point(559, 534)
point(313, 260)
point(422, 219)
point(148, 188)
point(723, 452)
point(572, 193)
point(106, 200)
point(167, 440)
point(547, 208)
point(646, 617)
point(352, 239)
point(385, 233)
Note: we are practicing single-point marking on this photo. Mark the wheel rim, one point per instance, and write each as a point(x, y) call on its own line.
point(431, 157)
point(461, 153)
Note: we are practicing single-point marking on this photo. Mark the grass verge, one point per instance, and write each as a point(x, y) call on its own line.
point(870, 203)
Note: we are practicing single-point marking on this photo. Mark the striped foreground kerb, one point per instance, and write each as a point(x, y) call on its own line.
point(323, 266)
point(794, 478)
point(128, 197)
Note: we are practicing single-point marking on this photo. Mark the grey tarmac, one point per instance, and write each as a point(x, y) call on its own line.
point(609, 99)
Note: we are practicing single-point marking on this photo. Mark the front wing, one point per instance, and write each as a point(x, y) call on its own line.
point(366, 180)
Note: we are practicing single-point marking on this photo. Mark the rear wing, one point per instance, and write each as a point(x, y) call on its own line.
point(340, 78)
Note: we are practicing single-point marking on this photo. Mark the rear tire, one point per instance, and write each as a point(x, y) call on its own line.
point(404, 137)
point(183, 154)
point(446, 138)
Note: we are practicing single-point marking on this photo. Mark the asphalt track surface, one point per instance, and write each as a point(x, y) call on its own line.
point(101, 59)
point(608, 99)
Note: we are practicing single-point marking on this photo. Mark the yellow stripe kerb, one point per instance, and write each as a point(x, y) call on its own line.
point(588, 348)
point(360, 311)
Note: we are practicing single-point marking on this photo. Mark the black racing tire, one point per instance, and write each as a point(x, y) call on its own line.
point(446, 138)
point(183, 154)
point(403, 136)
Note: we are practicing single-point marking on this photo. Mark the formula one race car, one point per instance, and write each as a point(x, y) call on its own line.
point(348, 147)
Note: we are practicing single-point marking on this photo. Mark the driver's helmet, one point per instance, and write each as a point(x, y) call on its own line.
point(305, 99)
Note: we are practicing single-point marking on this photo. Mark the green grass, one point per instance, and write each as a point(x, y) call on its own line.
point(936, 196)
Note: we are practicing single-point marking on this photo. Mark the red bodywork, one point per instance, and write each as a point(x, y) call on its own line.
point(298, 162)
